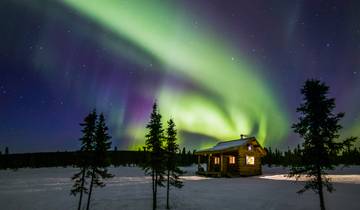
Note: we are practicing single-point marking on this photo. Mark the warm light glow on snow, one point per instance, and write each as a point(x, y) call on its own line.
point(351, 179)
point(194, 178)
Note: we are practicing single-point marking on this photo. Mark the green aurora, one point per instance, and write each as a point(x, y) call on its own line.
point(218, 68)
point(244, 101)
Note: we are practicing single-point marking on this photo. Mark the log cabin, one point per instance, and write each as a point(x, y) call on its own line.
point(241, 157)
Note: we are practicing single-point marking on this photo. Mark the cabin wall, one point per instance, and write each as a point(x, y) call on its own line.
point(245, 169)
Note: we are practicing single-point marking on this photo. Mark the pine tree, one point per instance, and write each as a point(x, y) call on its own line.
point(154, 165)
point(6, 150)
point(173, 171)
point(100, 161)
point(319, 127)
point(85, 152)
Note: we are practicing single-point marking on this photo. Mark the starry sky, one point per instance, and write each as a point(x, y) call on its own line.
point(218, 68)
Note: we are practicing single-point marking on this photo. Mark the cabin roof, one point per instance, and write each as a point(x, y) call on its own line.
point(226, 145)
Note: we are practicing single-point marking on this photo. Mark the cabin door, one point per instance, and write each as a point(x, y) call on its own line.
point(231, 166)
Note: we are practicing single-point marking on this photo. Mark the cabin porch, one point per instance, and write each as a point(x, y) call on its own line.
point(220, 164)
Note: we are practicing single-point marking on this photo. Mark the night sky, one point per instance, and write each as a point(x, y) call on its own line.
point(219, 68)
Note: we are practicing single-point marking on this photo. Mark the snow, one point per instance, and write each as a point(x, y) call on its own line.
point(351, 179)
point(49, 188)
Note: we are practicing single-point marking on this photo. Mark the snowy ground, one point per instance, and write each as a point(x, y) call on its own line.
point(49, 188)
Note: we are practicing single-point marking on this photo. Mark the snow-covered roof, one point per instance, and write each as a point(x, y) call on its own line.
point(226, 145)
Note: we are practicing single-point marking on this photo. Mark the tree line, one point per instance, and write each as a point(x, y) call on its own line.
point(6, 151)
point(289, 157)
point(274, 157)
point(71, 159)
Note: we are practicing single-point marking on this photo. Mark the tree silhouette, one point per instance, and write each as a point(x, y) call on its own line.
point(100, 161)
point(173, 171)
point(319, 127)
point(84, 163)
point(6, 150)
point(154, 165)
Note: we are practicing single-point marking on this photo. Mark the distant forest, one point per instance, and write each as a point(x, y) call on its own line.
point(351, 156)
point(70, 159)
point(274, 157)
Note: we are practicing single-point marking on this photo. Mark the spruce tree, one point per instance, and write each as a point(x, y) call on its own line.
point(154, 164)
point(100, 158)
point(319, 127)
point(84, 162)
point(172, 169)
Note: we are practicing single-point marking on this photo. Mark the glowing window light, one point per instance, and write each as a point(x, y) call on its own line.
point(250, 160)
point(232, 160)
point(216, 160)
point(249, 147)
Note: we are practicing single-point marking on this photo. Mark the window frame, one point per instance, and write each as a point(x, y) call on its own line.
point(216, 160)
point(248, 158)
point(232, 160)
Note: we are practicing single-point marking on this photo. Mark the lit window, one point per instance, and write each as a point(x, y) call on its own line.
point(250, 160)
point(216, 160)
point(249, 147)
point(232, 159)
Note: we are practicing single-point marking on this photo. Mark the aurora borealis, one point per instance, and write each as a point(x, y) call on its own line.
point(220, 69)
